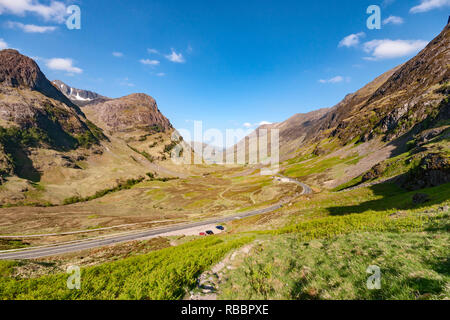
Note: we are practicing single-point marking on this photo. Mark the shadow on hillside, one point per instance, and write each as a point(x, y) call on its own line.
point(393, 198)
point(400, 143)
point(24, 166)
point(424, 286)
point(442, 266)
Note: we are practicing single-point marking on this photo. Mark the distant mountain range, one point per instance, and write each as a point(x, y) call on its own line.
point(78, 96)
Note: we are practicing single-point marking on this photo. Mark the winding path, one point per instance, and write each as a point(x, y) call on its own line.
point(305, 187)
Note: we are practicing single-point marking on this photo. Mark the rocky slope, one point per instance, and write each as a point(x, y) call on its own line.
point(19, 71)
point(30, 101)
point(377, 119)
point(78, 96)
point(411, 94)
point(34, 114)
point(131, 113)
point(51, 150)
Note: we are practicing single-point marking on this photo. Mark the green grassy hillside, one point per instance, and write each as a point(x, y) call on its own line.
point(321, 255)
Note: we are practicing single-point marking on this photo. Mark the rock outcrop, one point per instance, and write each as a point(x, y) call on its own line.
point(134, 112)
point(30, 102)
point(433, 170)
point(19, 71)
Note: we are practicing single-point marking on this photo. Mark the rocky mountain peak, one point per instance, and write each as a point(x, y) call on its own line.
point(79, 97)
point(19, 71)
point(129, 113)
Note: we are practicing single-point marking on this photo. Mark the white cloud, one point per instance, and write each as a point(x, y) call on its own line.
point(3, 44)
point(30, 28)
point(351, 40)
point(117, 54)
point(161, 74)
point(249, 125)
point(60, 64)
point(175, 57)
point(427, 5)
point(337, 79)
point(149, 62)
point(390, 49)
point(154, 51)
point(55, 11)
point(393, 20)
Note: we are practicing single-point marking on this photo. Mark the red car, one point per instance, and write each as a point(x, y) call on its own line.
point(202, 234)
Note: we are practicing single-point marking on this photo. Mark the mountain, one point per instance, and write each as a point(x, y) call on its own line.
point(131, 113)
point(51, 150)
point(410, 94)
point(35, 115)
point(305, 129)
point(18, 71)
point(381, 120)
point(78, 96)
point(32, 105)
point(296, 129)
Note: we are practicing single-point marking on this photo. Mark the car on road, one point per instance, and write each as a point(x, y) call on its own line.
point(220, 228)
point(202, 234)
point(209, 233)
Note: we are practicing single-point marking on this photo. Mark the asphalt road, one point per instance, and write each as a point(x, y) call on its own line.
point(306, 188)
point(58, 249)
point(89, 244)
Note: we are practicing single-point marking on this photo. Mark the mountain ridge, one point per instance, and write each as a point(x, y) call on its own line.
point(18, 71)
point(46, 140)
point(79, 97)
point(128, 113)
point(377, 122)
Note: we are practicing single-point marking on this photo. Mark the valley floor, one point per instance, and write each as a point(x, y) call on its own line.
point(319, 247)
point(148, 204)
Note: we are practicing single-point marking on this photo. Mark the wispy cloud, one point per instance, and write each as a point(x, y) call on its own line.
point(390, 49)
point(30, 28)
point(175, 57)
point(153, 51)
point(55, 11)
point(393, 20)
point(427, 5)
point(161, 74)
point(387, 3)
point(126, 82)
point(117, 54)
point(149, 62)
point(337, 79)
point(3, 44)
point(63, 64)
point(352, 40)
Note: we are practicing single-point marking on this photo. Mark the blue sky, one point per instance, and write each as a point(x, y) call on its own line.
point(227, 63)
